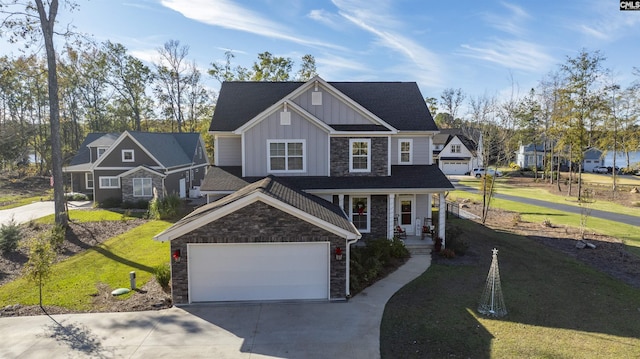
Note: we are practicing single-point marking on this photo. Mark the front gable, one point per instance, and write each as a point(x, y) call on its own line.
point(455, 148)
point(126, 153)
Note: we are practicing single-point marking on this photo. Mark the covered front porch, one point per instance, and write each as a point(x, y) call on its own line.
point(412, 214)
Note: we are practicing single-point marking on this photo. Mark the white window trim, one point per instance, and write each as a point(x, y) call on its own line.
point(133, 156)
point(86, 180)
point(133, 182)
point(410, 141)
point(351, 142)
point(459, 146)
point(287, 142)
point(104, 149)
point(109, 178)
point(351, 213)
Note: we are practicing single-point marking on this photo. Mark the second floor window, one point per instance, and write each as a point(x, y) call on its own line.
point(360, 157)
point(127, 156)
point(286, 156)
point(456, 149)
point(405, 153)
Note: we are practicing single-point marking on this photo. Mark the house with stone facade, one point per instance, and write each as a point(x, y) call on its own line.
point(302, 170)
point(132, 166)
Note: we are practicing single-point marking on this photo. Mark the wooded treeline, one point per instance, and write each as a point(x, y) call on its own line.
point(103, 88)
point(576, 107)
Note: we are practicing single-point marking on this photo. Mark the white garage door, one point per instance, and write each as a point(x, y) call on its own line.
point(455, 167)
point(258, 271)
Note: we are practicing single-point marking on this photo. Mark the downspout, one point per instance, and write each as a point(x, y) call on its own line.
point(349, 243)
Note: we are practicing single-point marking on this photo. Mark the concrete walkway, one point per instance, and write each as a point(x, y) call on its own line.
point(36, 210)
point(262, 330)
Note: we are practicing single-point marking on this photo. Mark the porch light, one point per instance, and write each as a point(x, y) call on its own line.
point(338, 253)
point(176, 255)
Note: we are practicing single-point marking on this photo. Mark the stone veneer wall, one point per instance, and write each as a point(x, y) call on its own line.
point(378, 212)
point(257, 223)
point(340, 153)
point(126, 183)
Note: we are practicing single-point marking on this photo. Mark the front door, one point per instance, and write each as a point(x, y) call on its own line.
point(406, 214)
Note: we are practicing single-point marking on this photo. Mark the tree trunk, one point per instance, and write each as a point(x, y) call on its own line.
point(47, 24)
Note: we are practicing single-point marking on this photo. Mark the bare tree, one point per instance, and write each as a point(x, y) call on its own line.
point(171, 74)
point(24, 18)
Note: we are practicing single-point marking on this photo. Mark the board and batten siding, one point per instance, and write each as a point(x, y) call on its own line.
point(255, 144)
point(333, 111)
point(228, 151)
point(421, 150)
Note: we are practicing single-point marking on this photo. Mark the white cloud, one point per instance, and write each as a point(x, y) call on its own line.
point(513, 54)
point(225, 13)
point(421, 62)
point(510, 23)
point(146, 55)
point(326, 18)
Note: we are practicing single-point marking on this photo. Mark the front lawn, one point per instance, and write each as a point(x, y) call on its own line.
point(74, 281)
point(558, 307)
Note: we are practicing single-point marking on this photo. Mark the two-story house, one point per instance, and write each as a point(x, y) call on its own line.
point(456, 153)
point(131, 166)
point(293, 162)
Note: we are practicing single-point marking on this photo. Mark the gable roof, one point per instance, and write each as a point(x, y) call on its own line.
point(446, 135)
point(271, 191)
point(168, 149)
point(399, 104)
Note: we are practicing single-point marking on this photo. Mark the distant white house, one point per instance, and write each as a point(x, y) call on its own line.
point(456, 153)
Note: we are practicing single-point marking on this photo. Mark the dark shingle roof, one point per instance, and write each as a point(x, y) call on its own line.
point(84, 152)
point(402, 177)
point(275, 188)
point(168, 148)
point(400, 104)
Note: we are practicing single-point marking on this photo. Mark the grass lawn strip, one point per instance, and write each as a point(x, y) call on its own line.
point(74, 280)
point(558, 307)
point(93, 215)
point(628, 233)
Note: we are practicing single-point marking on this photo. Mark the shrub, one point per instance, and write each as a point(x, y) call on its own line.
point(514, 166)
point(10, 234)
point(112, 202)
point(547, 222)
point(448, 253)
point(58, 234)
point(515, 219)
point(163, 275)
point(76, 197)
point(368, 263)
point(165, 208)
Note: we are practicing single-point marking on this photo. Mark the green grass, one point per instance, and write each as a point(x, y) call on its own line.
point(558, 307)
point(74, 280)
point(628, 233)
point(93, 215)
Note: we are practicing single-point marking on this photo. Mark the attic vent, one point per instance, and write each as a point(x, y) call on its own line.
point(285, 118)
point(316, 98)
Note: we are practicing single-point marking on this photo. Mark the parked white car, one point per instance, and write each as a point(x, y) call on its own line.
point(600, 169)
point(479, 172)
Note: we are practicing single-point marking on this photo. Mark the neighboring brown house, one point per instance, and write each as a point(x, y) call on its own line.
point(132, 165)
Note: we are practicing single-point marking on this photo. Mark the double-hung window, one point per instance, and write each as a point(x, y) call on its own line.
point(109, 182)
point(142, 187)
point(405, 152)
point(456, 149)
point(286, 155)
point(360, 155)
point(128, 156)
point(88, 180)
point(360, 213)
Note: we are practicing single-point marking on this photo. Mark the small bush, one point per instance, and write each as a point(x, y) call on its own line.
point(163, 275)
point(547, 223)
point(514, 166)
point(76, 197)
point(58, 234)
point(369, 263)
point(448, 253)
point(10, 234)
point(165, 208)
point(112, 202)
point(515, 219)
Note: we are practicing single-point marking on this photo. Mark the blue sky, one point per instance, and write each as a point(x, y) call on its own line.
point(479, 46)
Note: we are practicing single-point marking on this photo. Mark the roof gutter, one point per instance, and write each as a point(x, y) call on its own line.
point(349, 243)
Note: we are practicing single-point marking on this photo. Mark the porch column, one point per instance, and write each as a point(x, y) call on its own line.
point(341, 202)
point(442, 215)
point(429, 209)
point(391, 214)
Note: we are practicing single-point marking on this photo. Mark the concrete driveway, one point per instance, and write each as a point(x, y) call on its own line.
point(265, 330)
point(36, 210)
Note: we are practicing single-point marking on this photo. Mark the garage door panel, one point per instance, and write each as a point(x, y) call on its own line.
point(455, 167)
point(264, 271)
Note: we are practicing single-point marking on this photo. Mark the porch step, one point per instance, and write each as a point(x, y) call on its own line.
point(422, 248)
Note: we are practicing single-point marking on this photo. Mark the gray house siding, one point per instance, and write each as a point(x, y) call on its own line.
point(172, 182)
point(255, 142)
point(420, 150)
point(340, 153)
point(102, 194)
point(114, 159)
point(257, 223)
point(333, 110)
point(229, 151)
